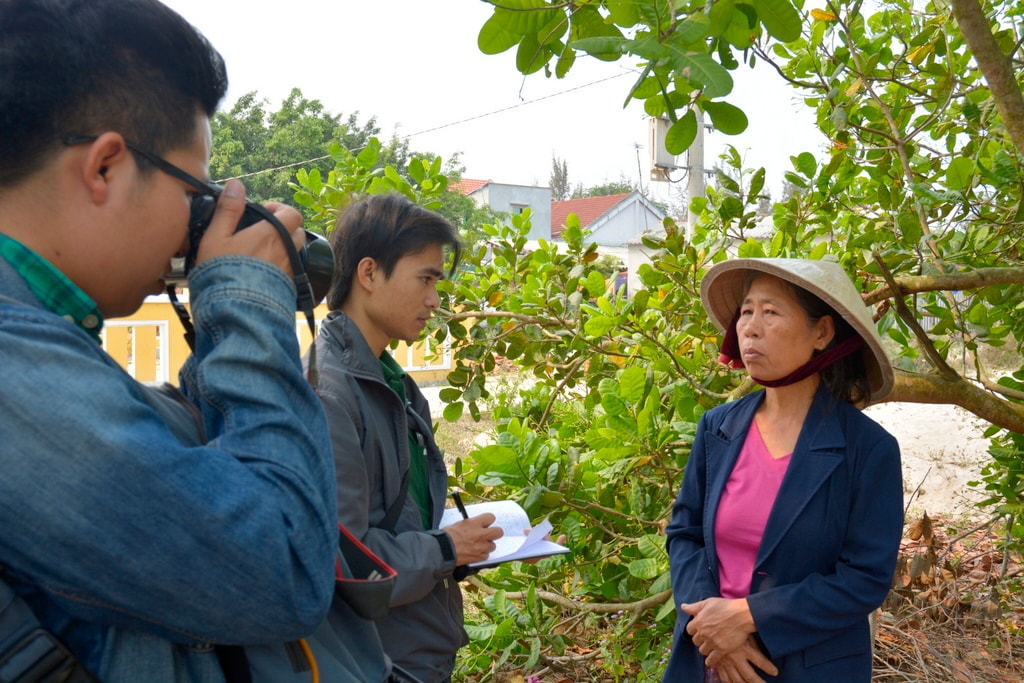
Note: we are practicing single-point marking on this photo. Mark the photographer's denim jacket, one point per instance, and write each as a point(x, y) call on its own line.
point(134, 548)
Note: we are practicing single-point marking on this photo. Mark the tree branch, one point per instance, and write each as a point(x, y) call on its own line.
point(914, 387)
point(936, 359)
point(998, 71)
point(595, 607)
point(967, 280)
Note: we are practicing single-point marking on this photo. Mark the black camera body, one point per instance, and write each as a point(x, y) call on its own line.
point(315, 256)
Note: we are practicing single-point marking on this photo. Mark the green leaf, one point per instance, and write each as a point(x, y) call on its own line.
point(1005, 168)
point(596, 284)
point(726, 118)
point(453, 411)
point(652, 546)
point(757, 182)
point(699, 69)
point(565, 61)
point(552, 32)
point(646, 568)
point(806, 163)
point(720, 16)
point(613, 405)
point(602, 45)
point(693, 29)
point(587, 23)
point(742, 29)
point(681, 134)
point(598, 326)
point(959, 173)
point(623, 13)
point(496, 458)
point(633, 384)
point(370, 154)
point(779, 17)
point(531, 55)
point(480, 631)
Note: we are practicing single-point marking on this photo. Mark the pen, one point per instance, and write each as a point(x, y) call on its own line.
point(458, 503)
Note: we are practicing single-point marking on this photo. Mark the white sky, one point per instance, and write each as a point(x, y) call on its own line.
point(415, 65)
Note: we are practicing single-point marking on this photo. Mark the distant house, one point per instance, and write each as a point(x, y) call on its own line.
point(613, 220)
point(512, 199)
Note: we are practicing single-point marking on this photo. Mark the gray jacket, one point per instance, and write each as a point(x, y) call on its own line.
point(369, 434)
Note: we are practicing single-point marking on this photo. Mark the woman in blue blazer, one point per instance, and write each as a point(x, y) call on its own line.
point(785, 534)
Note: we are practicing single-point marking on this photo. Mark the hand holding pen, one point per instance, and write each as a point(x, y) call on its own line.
point(473, 537)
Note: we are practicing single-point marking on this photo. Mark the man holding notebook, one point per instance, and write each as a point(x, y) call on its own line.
point(392, 481)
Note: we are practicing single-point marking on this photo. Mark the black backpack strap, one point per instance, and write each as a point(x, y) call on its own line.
point(423, 432)
point(391, 517)
point(29, 654)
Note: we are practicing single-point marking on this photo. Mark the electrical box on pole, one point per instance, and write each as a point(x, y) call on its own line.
point(661, 161)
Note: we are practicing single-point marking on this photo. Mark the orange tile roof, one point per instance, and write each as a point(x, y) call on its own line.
point(588, 209)
point(467, 185)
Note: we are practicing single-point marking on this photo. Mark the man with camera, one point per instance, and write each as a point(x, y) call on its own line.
point(135, 547)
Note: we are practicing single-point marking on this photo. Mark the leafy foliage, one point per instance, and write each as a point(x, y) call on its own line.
point(919, 198)
point(686, 50)
point(265, 147)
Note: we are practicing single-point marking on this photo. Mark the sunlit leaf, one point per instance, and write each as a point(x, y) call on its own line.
point(779, 17)
point(726, 118)
point(681, 134)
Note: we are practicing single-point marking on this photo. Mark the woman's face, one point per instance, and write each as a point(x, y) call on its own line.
point(775, 334)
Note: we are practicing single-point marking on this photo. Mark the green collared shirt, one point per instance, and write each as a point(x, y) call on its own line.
point(419, 484)
point(53, 289)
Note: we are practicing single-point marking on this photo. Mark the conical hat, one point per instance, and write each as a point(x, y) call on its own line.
point(721, 291)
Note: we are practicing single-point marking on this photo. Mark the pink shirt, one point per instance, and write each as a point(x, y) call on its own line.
point(743, 512)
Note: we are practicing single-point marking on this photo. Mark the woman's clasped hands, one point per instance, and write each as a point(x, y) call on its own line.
point(723, 630)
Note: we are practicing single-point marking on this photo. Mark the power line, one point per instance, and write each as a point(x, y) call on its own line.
point(442, 126)
point(516, 106)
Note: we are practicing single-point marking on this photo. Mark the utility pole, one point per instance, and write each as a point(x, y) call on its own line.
point(663, 163)
point(695, 186)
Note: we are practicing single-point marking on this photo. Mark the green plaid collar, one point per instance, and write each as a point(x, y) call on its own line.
point(53, 289)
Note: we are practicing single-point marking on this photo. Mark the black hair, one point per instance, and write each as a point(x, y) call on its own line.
point(846, 378)
point(85, 67)
point(385, 228)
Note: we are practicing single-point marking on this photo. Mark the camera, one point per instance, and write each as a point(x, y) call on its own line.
point(315, 256)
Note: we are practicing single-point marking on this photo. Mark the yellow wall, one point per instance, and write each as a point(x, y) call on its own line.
point(151, 345)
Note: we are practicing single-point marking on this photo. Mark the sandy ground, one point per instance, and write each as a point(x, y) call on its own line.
point(942, 448)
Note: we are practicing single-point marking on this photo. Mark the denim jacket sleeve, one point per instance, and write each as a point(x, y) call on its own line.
point(121, 524)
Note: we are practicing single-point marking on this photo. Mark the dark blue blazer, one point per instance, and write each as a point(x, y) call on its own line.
point(829, 549)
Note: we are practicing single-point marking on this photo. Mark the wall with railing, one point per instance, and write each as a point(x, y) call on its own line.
point(151, 345)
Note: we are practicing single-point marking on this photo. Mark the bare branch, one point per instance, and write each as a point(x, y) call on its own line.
point(912, 387)
point(999, 72)
point(594, 607)
point(948, 282)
